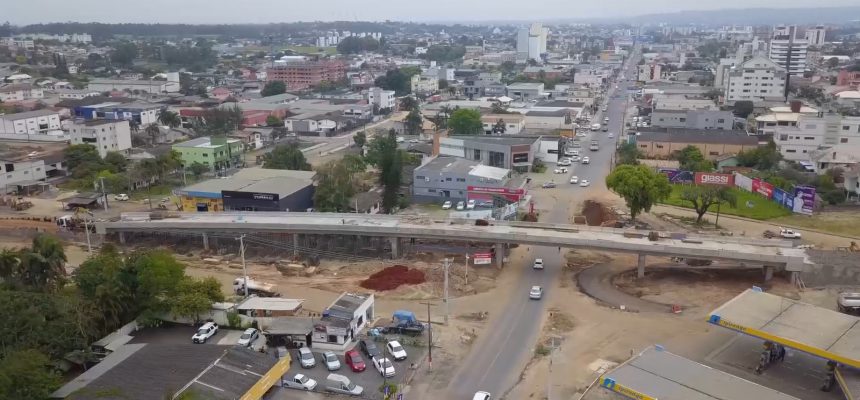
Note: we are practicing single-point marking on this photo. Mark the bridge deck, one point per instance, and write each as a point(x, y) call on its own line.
point(818, 331)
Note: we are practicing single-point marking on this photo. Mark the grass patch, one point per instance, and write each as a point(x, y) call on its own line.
point(157, 192)
point(840, 223)
point(762, 208)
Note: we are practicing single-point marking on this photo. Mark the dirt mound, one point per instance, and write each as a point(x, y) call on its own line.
point(596, 214)
point(392, 277)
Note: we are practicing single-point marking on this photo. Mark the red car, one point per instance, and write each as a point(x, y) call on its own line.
point(354, 360)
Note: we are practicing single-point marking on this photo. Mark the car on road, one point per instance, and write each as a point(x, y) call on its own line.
point(606, 120)
point(205, 332)
point(121, 197)
point(354, 360)
point(560, 170)
point(248, 337)
point(341, 384)
point(400, 139)
point(481, 395)
point(574, 179)
point(330, 360)
point(604, 129)
point(396, 350)
point(447, 205)
point(586, 160)
point(470, 205)
point(300, 381)
point(595, 127)
point(384, 367)
point(584, 183)
point(789, 234)
point(564, 162)
point(548, 185)
point(306, 357)
point(461, 206)
point(536, 293)
point(611, 135)
point(413, 141)
point(368, 347)
point(538, 263)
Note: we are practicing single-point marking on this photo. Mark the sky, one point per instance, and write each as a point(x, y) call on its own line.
point(22, 12)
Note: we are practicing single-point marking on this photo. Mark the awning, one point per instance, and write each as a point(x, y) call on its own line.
point(290, 326)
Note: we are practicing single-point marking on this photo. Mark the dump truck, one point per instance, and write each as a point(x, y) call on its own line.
point(259, 288)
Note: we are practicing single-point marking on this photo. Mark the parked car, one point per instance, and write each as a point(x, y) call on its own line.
point(368, 347)
point(461, 206)
point(340, 384)
point(307, 358)
point(121, 197)
point(574, 179)
point(470, 205)
point(561, 170)
point(354, 360)
point(481, 396)
point(205, 332)
point(565, 162)
point(536, 293)
point(330, 360)
point(584, 183)
point(586, 160)
point(538, 263)
point(300, 381)
point(574, 159)
point(548, 185)
point(384, 366)
point(396, 350)
point(248, 337)
point(447, 205)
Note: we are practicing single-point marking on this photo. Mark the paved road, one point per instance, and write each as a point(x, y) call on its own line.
point(498, 357)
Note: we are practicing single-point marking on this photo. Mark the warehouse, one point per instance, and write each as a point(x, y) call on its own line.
point(252, 189)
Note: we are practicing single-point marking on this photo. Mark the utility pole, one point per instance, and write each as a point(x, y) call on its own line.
point(244, 268)
point(102, 180)
point(447, 265)
point(429, 337)
point(549, 374)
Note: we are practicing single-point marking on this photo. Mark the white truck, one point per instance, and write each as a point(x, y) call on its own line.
point(300, 381)
point(259, 288)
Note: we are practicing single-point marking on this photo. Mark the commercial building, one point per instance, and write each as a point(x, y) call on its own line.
point(20, 92)
point(484, 84)
point(682, 102)
point(343, 320)
point(815, 132)
point(664, 143)
point(105, 135)
point(787, 50)
point(75, 94)
point(524, 91)
point(816, 36)
point(531, 42)
point(649, 72)
point(513, 123)
point(217, 152)
point(141, 113)
point(251, 189)
point(381, 98)
point(758, 79)
point(144, 86)
point(39, 122)
point(692, 119)
point(306, 74)
point(457, 179)
point(508, 152)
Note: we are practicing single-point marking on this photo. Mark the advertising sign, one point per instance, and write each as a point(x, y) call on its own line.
point(479, 189)
point(763, 188)
point(744, 182)
point(710, 178)
point(783, 198)
point(677, 176)
point(482, 258)
point(804, 200)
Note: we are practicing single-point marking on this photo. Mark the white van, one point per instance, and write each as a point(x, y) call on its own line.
point(340, 384)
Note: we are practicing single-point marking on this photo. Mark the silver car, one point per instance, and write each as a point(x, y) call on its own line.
point(307, 358)
point(536, 293)
point(330, 360)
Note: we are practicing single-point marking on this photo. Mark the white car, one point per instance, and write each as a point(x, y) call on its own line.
point(461, 206)
point(413, 141)
point(574, 159)
point(383, 366)
point(396, 350)
point(606, 120)
point(574, 179)
point(789, 234)
point(248, 337)
point(330, 360)
point(400, 139)
point(121, 197)
point(470, 205)
point(536, 293)
point(300, 381)
point(584, 183)
point(538, 263)
point(205, 332)
point(586, 160)
point(611, 135)
point(481, 395)
point(447, 205)
point(564, 162)
point(560, 170)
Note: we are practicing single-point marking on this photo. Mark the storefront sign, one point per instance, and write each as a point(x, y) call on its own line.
point(520, 158)
point(709, 178)
point(744, 182)
point(479, 189)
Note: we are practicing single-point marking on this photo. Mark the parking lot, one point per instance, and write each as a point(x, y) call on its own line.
point(369, 379)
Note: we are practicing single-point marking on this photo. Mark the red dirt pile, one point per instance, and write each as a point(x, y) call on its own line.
point(392, 277)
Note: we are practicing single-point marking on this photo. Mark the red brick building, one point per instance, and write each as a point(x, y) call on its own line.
point(848, 78)
point(304, 74)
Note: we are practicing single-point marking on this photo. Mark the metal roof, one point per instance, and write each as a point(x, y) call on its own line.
point(683, 135)
point(271, 303)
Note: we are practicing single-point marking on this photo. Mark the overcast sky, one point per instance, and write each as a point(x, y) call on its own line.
point(22, 12)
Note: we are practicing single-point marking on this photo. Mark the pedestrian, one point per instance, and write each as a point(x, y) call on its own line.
point(781, 353)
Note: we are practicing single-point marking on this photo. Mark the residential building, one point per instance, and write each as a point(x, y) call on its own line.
point(509, 152)
point(20, 92)
point(782, 117)
point(514, 123)
point(424, 84)
point(845, 156)
point(546, 72)
point(812, 133)
point(484, 84)
point(217, 152)
point(142, 86)
point(816, 36)
point(667, 102)
point(458, 179)
point(37, 122)
point(531, 42)
point(848, 78)
point(381, 98)
point(524, 91)
point(665, 142)
point(649, 72)
point(75, 94)
point(306, 74)
point(318, 124)
point(788, 51)
point(692, 119)
point(105, 135)
point(140, 113)
point(251, 189)
point(758, 79)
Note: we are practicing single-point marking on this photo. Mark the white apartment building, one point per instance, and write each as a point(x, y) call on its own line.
point(37, 122)
point(381, 98)
point(812, 133)
point(14, 170)
point(787, 50)
point(531, 42)
point(815, 36)
point(20, 92)
point(649, 72)
point(424, 84)
point(105, 135)
point(757, 79)
point(75, 93)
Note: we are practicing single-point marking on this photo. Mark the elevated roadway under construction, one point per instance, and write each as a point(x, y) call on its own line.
point(767, 253)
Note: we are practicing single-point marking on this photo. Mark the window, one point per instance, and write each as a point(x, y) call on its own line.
point(783, 137)
point(682, 119)
point(843, 140)
point(713, 153)
point(809, 138)
point(659, 146)
point(10, 167)
point(431, 190)
point(746, 90)
point(477, 155)
point(205, 154)
point(461, 179)
point(810, 126)
point(421, 178)
point(845, 127)
point(721, 121)
point(447, 179)
point(791, 151)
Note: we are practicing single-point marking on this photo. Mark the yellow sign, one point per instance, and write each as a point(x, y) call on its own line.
point(610, 384)
point(271, 378)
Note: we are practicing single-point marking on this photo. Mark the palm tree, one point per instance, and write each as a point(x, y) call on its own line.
point(169, 118)
point(153, 131)
point(10, 262)
point(43, 265)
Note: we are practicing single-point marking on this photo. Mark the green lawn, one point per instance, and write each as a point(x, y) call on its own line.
point(761, 209)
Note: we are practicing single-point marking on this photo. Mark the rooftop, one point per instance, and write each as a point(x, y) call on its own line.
point(683, 135)
point(560, 103)
point(557, 113)
point(28, 114)
point(232, 375)
point(526, 86)
point(508, 140)
point(204, 141)
point(486, 171)
point(443, 164)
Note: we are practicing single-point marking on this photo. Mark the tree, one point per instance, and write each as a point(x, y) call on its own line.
point(80, 154)
point(408, 103)
point(713, 94)
point(169, 118)
point(157, 275)
point(154, 132)
point(743, 108)
point(628, 154)
point(274, 121)
point(27, 374)
point(690, 158)
point(124, 53)
point(355, 45)
point(414, 122)
point(115, 162)
point(832, 62)
point(398, 80)
point(465, 122)
point(194, 297)
point(762, 158)
point(197, 169)
point(443, 84)
point(286, 156)
point(360, 138)
point(106, 284)
point(273, 88)
point(334, 187)
point(42, 267)
point(219, 121)
point(639, 186)
point(702, 197)
point(390, 175)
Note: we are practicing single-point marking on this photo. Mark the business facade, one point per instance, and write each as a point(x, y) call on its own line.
point(509, 152)
point(457, 179)
point(251, 189)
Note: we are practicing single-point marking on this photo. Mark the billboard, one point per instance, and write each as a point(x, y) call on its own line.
point(804, 200)
point(763, 188)
point(783, 198)
point(677, 176)
point(711, 178)
point(482, 258)
point(743, 182)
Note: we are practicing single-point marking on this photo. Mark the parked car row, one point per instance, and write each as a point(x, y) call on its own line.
point(465, 205)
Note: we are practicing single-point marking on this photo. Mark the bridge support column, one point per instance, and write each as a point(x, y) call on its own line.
point(205, 241)
point(122, 237)
point(640, 267)
point(768, 273)
point(295, 245)
point(395, 247)
point(500, 255)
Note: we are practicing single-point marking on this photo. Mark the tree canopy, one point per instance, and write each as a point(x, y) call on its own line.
point(286, 156)
point(691, 158)
point(399, 80)
point(355, 45)
point(702, 197)
point(639, 186)
point(273, 88)
point(465, 122)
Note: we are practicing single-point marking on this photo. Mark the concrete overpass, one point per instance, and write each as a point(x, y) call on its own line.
point(768, 253)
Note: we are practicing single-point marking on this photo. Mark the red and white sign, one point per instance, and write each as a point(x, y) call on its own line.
point(479, 189)
point(763, 188)
point(710, 178)
point(482, 258)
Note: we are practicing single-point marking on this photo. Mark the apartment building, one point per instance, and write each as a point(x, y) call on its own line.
point(216, 152)
point(815, 36)
point(306, 74)
point(383, 99)
point(787, 50)
point(425, 83)
point(815, 132)
point(531, 42)
point(30, 122)
point(758, 79)
point(848, 78)
point(20, 92)
point(782, 116)
point(105, 135)
point(484, 84)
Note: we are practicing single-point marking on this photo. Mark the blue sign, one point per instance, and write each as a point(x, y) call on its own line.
point(400, 396)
